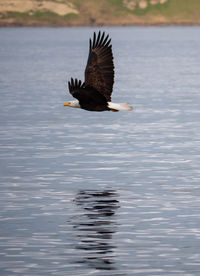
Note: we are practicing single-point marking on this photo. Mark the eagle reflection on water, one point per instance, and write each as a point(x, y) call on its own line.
point(94, 226)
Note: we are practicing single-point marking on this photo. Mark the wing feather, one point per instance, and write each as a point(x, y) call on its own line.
point(99, 72)
point(75, 86)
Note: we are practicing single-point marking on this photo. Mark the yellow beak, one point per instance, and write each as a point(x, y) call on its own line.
point(66, 104)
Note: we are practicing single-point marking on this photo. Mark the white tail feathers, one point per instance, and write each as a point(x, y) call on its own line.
point(119, 106)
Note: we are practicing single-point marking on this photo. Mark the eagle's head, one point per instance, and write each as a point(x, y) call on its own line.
point(72, 104)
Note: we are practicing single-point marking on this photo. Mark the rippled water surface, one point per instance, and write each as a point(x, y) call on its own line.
point(85, 193)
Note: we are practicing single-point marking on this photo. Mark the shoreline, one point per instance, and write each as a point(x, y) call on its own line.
point(137, 24)
point(94, 13)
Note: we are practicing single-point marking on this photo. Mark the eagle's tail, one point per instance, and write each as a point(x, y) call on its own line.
point(119, 106)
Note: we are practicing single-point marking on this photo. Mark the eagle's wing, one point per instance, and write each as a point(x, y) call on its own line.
point(99, 72)
point(85, 95)
point(74, 86)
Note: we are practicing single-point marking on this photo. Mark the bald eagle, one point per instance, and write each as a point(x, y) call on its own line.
point(95, 93)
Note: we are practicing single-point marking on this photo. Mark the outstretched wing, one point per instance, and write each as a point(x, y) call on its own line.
point(89, 98)
point(99, 72)
point(74, 86)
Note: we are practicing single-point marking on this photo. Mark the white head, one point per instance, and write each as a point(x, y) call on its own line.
point(73, 104)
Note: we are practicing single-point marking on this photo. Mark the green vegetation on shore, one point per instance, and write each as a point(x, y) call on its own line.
point(99, 12)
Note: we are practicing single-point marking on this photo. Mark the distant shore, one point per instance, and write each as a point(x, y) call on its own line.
point(65, 13)
point(167, 24)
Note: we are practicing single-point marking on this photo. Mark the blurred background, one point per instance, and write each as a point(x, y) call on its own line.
point(95, 12)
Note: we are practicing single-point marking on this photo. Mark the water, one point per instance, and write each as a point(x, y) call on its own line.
point(100, 193)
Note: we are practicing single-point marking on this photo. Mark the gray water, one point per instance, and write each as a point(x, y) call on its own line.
point(85, 193)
